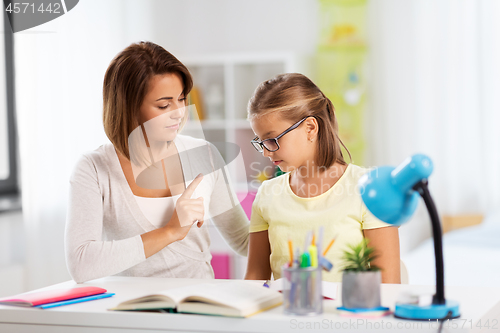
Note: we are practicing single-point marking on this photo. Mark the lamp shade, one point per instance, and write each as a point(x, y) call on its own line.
point(388, 192)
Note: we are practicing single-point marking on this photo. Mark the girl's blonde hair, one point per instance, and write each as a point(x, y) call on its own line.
point(294, 96)
point(126, 84)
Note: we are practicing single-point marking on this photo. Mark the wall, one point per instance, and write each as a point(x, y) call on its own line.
point(59, 71)
point(12, 278)
point(60, 67)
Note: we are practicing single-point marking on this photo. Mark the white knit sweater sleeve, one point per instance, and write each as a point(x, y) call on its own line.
point(225, 209)
point(88, 256)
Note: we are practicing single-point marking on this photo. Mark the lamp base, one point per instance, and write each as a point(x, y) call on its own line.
point(429, 312)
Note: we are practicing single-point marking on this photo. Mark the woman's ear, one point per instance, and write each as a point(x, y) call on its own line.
point(311, 126)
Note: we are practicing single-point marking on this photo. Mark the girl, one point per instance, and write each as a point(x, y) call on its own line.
point(297, 130)
point(136, 208)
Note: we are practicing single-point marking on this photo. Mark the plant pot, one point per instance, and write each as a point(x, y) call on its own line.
point(361, 289)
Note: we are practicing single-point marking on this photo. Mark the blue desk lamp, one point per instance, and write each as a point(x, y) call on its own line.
point(391, 194)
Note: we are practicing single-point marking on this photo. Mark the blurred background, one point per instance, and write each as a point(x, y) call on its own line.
point(405, 77)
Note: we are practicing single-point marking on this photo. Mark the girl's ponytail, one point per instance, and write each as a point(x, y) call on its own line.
point(329, 142)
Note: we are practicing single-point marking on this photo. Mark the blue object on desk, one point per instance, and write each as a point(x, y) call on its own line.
point(73, 301)
point(448, 310)
point(357, 310)
point(325, 263)
point(391, 194)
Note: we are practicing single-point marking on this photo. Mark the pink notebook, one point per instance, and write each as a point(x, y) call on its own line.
point(50, 296)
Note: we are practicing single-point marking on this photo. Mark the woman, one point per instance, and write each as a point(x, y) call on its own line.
point(137, 206)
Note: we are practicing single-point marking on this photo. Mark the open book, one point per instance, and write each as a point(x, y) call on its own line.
point(234, 299)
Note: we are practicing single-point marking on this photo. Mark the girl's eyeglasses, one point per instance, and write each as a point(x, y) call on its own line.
point(272, 144)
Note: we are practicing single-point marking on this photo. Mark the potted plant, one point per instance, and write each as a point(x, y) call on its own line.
point(360, 279)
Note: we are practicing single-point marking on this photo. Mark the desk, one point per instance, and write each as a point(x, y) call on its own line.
point(475, 304)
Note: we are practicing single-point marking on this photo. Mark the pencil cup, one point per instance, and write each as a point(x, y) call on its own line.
point(302, 291)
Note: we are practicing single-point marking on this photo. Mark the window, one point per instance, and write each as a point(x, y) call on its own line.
point(8, 142)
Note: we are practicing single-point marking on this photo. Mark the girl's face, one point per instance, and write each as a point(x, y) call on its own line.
point(295, 148)
point(163, 107)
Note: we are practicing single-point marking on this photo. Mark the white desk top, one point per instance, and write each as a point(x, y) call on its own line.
point(475, 303)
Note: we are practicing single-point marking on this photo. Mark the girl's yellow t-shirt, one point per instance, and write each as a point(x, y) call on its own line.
point(340, 211)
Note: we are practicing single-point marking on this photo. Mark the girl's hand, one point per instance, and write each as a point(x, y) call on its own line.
point(187, 212)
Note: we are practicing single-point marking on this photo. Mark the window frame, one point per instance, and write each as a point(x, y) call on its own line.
point(10, 185)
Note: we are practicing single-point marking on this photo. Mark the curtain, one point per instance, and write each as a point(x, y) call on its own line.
point(60, 68)
point(434, 83)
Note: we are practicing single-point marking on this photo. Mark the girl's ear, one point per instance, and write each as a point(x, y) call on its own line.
point(311, 126)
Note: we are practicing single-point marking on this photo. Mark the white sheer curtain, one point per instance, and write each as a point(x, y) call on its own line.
point(435, 89)
point(59, 72)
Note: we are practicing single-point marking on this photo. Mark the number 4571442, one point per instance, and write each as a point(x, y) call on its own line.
point(27, 7)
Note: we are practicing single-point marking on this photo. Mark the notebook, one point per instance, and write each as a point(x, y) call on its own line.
point(233, 299)
point(51, 296)
point(73, 301)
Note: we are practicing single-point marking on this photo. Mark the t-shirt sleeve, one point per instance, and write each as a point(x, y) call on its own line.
point(257, 221)
point(369, 221)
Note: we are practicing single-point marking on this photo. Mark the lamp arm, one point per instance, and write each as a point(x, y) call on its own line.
point(422, 188)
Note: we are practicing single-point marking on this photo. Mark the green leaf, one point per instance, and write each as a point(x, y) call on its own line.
point(359, 257)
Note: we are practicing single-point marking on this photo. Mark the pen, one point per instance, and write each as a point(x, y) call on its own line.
point(319, 240)
point(304, 278)
point(290, 249)
point(266, 284)
point(305, 260)
point(295, 267)
point(325, 263)
point(313, 253)
point(328, 247)
point(296, 258)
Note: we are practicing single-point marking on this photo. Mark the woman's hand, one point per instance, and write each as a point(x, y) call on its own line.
point(187, 211)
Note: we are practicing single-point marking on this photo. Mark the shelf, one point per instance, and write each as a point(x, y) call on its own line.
point(219, 124)
point(207, 125)
point(224, 84)
point(242, 124)
point(240, 58)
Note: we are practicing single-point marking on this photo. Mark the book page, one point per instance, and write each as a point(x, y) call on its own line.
point(152, 301)
point(236, 294)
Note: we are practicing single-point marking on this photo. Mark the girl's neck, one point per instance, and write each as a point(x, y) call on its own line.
point(312, 173)
point(311, 181)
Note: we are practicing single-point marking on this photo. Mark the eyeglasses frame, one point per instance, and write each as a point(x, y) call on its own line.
point(261, 143)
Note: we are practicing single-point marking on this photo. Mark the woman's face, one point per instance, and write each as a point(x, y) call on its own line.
point(163, 107)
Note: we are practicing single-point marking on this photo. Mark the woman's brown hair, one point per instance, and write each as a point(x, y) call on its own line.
point(294, 96)
point(126, 83)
